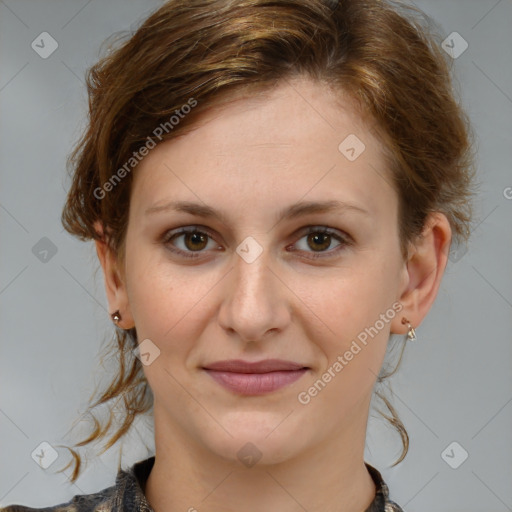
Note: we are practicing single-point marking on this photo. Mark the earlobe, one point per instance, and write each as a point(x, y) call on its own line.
point(425, 268)
point(115, 288)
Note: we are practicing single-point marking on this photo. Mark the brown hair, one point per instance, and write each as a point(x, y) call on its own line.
point(381, 53)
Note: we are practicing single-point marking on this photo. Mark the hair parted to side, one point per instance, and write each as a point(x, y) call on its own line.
point(381, 53)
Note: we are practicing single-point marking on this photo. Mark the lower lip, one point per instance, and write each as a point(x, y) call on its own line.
point(256, 383)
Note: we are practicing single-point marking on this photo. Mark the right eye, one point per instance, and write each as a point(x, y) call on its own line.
point(193, 239)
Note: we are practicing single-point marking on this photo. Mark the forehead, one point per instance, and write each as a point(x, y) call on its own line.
point(296, 140)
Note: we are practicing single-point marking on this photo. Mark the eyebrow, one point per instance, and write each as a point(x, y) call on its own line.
point(292, 212)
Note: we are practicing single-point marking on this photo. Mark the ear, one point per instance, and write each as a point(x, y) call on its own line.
point(424, 270)
point(115, 286)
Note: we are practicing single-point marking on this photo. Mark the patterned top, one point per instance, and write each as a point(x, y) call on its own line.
point(127, 495)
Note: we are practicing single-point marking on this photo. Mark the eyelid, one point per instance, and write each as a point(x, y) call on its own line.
point(193, 228)
point(318, 228)
point(344, 239)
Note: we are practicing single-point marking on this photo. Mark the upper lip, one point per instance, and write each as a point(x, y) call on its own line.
point(265, 366)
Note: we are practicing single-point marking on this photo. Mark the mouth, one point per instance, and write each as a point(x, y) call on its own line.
point(255, 378)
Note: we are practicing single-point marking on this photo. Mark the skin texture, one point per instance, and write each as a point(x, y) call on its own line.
point(251, 159)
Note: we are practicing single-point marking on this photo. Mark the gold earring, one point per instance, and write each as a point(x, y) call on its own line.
point(116, 316)
point(411, 333)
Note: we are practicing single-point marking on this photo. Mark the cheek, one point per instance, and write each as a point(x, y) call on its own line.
point(344, 301)
point(353, 346)
point(152, 293)
point(353, 298)
point(355, 308)
point(164, 298)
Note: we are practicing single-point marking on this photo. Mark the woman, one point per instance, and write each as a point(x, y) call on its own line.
point(273, 189)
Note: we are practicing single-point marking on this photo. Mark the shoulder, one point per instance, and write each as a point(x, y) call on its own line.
point(100, 501)
point(391, 506)
point(382, 501)
point(123, 495)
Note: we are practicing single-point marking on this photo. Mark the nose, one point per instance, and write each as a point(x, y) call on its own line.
point(254, 300)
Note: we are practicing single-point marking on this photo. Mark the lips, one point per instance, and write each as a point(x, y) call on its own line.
point(255, 378)
point(268, 365)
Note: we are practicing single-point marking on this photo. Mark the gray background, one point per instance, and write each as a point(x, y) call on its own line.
point(455, 383)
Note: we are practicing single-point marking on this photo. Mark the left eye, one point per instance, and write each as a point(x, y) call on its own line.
point(196, 240)
point(321, 238)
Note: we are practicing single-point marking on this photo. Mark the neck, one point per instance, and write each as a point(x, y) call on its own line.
point(328, 477)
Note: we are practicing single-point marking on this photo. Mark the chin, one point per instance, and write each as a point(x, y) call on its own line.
point(256, 438)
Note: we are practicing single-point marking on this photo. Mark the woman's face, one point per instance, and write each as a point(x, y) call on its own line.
point(259, 280)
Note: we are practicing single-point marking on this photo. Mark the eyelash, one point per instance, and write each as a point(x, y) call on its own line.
point(345, 240)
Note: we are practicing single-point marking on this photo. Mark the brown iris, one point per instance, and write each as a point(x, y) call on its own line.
point(195, 237)
point(323, 239)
